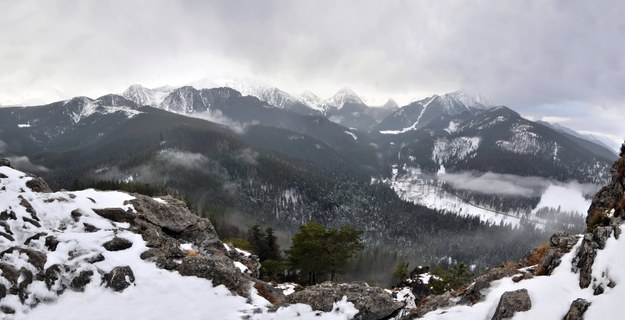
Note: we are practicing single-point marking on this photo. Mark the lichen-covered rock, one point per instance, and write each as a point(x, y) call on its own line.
point(37, 184)
point(587, 252)
point(512, 302)
point(372, 302)
point(119, 278)
point(577, 310)
point(219, 269)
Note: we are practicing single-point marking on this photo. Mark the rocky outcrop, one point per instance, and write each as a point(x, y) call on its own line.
point(219, 269)
point(167, 226)
point(577, 310)
point(512, 302)
point(37, 184)
point(372, 302)
point(473, 294)
point(5, 163)
point(431, 303)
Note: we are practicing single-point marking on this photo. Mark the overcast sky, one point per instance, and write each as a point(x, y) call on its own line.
point(564, 60)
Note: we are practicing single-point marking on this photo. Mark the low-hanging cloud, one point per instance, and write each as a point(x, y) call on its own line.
point(246, 155)
point(217, 117)
point(508, 184)
point(24, 163)
point(3, 146)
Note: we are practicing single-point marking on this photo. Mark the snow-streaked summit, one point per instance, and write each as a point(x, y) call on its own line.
point(250, 87)
point(312, 101)
point(146, 96)
point(344, 96)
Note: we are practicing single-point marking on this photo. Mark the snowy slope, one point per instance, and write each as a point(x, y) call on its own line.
point(551, 296)
point(42, 288)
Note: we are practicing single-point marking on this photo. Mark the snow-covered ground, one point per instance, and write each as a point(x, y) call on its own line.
point(155, 293)
point(551, 296)
point(425, 190)
point(414, 187)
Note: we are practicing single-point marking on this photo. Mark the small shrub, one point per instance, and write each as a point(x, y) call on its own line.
point(597, 218)
point(537, 254)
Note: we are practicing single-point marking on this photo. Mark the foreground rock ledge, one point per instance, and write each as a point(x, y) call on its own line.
point(372, 302)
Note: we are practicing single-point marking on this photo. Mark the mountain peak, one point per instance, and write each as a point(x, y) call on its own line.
point(312, 101)
point(390, 104)
point(467, 99)
point(146, 96)
point(343, 96)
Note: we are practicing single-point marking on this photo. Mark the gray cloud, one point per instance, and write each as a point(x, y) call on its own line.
point(544, 58)
point(3, 146)
point(23, 163)
point(246, 155)
point(508, 184)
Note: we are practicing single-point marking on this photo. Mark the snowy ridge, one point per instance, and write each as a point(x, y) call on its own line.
point(65, 229)
point(249, 87)
point(312, 101)
point(88, 107)
point(145, 96)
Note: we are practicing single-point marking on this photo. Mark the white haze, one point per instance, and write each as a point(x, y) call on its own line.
point(218, 117)
point(24, 163)
point(509, 184)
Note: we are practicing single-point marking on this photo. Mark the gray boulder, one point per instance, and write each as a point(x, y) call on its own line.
point(119, 278)
point(219, 269)
point(372, 302)
point(5, 163)
point(37, 184)
point(577, 310)
point(512, 302)
point(117, 244)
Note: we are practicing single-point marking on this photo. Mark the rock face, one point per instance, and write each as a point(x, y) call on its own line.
point(373, 302)
point(576, 312)
point(512, 302)
point(220, 269)
point(165, 227)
